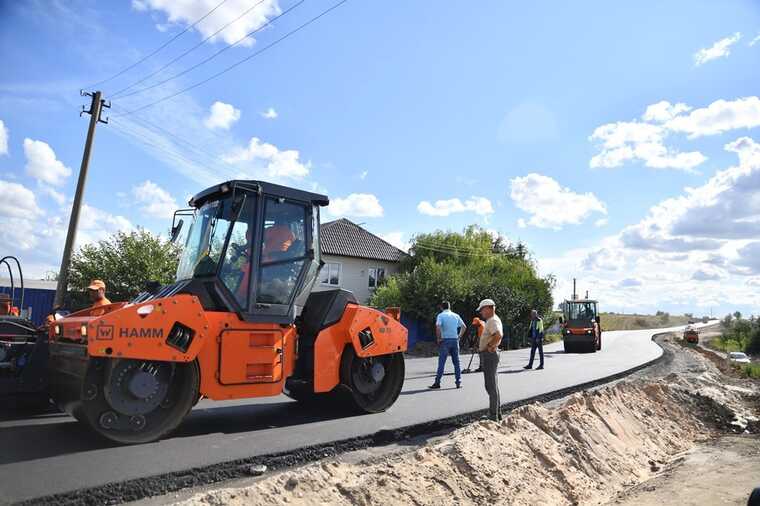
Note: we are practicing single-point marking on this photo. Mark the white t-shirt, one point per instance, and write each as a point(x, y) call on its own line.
point(493, 326)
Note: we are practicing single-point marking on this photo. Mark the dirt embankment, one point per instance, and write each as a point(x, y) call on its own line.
point(585, 451)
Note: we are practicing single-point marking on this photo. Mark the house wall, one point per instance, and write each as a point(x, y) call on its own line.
point(354, 275)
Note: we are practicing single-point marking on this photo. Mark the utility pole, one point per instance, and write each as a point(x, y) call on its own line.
point(96, 107)
point(574, 294)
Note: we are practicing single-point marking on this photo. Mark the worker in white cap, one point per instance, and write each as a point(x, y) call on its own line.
point(488, 347)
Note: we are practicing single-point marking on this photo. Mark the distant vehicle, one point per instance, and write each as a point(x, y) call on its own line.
point(580, 323)
point(737, 357)
point(691, 335)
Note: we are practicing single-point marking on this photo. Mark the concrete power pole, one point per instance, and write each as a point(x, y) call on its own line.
point(96, 107)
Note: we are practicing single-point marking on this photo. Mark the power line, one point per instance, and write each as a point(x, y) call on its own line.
point(193, 49)
point(239, 62)
point(138, 62)
point(215, 159)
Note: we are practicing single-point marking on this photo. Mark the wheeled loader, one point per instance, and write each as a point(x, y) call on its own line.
point(241, 321)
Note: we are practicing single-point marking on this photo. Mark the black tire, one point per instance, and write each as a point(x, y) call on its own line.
point(569, 348)
point(754, 498)
point(599, 344)
point(181, 396)
point(384, 392)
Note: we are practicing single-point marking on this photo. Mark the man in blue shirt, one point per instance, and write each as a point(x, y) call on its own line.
point(449, 328)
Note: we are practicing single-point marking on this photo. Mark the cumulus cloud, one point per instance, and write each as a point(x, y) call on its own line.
point(606, 259)
point(58, 197)
point(42, 164)
point(754, 41)
point(726, 207)
point(633, 140)
point(17, 201)
point(3, 138)
point(663, 111)
point(707, 275)
point(360, 205)
point(396, 239)
point(221, 116)
point(478, 205)
point(275, 163)
point(154, 201)
point(718, 117)
point(720, 49)
point(228, 12)
point(549, 204)
point(269, 114)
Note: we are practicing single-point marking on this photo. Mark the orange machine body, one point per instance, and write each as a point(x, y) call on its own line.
point(236, 359)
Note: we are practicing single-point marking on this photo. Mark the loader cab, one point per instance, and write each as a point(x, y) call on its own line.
point(252, 248)
point(580, 313)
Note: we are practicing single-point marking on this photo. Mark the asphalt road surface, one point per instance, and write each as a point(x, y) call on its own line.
point(52, 453)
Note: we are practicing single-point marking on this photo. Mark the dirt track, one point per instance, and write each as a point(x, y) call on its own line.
point(586, 451)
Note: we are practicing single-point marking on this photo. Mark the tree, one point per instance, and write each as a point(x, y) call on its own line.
point(126, 262)
point(465, 268)
point(738, 315)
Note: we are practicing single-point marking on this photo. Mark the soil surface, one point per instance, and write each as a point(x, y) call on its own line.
point(586, 449)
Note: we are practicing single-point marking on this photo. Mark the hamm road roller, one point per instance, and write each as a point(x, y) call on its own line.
point(241, 321)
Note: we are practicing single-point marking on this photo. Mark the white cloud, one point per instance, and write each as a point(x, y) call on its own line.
point(3, 138)
point(478, 205)
point(624, 141)
point(154, 201)
point(608, 259)
point(396, 239)
point(360, 205)
point(221, 116)
point(363, 175)
point(720, 49)
point(17, 201)
point(42, 164)
point(601, 222)
point(718, 117)
point(269, 114)
point(754, 41)
point(270, 159)
point(58, 197)
point(549, 204)
point(187, 12)
point(663, 111)
point(726, 207)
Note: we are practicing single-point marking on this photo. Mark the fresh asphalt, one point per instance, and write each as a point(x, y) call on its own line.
point(52, 453)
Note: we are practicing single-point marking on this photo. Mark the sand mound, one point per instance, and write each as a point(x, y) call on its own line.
point(594, 445)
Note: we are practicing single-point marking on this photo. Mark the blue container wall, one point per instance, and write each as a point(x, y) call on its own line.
point(418, 331)
point(40, 300)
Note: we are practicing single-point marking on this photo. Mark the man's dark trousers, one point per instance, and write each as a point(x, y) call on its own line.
point(489, 361)
point(445, 348)
point(537, 342)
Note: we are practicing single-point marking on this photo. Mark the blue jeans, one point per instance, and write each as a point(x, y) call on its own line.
point(446, 348)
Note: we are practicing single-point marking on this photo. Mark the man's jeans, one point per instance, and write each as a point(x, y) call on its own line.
point(445, 348)
point(489, 361)
point(537, 342)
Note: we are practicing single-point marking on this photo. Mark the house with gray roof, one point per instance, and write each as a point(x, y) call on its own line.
point(355, 259)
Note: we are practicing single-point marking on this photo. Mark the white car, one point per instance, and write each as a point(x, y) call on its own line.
point(737, 357)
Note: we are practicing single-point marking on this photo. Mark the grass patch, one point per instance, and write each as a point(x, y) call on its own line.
point(552, 338)
point(750, 370)
point(615, 321)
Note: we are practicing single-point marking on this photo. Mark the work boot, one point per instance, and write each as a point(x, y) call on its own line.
point(540, 367)
point(435, 386)
point(528, 367)
point(459, 384)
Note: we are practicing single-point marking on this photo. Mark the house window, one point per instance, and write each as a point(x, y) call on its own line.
point(330, 274)
point(376, 276)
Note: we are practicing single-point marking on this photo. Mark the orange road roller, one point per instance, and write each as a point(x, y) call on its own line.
point(241, 321)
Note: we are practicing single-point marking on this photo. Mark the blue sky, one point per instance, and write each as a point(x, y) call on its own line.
point(531, 120)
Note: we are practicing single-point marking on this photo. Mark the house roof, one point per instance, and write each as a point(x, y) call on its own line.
point(345, 238)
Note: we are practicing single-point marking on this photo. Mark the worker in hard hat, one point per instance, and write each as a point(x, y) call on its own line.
point(96, 292)
point(6, 306)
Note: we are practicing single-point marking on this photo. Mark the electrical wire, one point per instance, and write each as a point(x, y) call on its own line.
point(162, 46)
point(268, 23)
point(238, 63)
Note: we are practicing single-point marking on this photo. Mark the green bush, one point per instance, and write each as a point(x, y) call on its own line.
point(464, 268)
point(751, 370)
